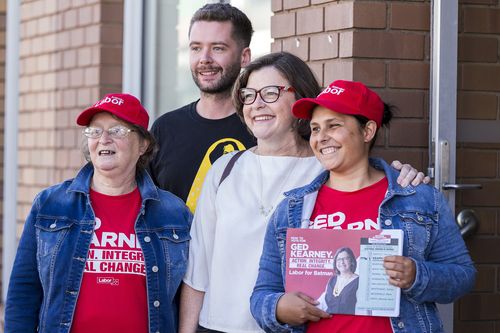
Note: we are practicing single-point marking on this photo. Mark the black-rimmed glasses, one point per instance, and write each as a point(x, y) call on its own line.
point(269, 94)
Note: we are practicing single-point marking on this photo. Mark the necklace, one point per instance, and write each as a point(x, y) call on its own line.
point(267, 210)
point(340, 284)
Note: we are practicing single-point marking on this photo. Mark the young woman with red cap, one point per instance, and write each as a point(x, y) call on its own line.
point(435, 265)
point(231, 216)
point(105, 251)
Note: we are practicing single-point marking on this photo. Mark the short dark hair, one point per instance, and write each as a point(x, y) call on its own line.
point(389, 110)
point(352, 257)
point(294, 70)
point(224, 12)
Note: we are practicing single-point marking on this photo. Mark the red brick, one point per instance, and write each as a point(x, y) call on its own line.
point(111, 75)
point(110, 55)
point(413, 157)
point(346, 43)
point(276, 5)
point(477, 48)
point(410, 16)
point(324, 46)
point(339, 16)
point(111, 34)
point(298, 46)
point(372, 72)
point(282, 25)
point(477, 105)
point(276, 46)
point(69, 59)
point(409, 75)
point(409, 103)
point(476, 163)
point(409, 133)
point(111, 12)
point(485, 77)
point(76, 38)
point(486, 197)
point(369, 15)
point(85, 15)
point(355, 15)
point(381, 44)
point(317, 69)
point(485, 279)
point(292, 4)
point(70, 19)
point(340, 69)
point(309, 20)
point(483, 20)
point(76, 77)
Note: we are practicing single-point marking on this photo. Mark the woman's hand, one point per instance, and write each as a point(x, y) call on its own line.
point(401, 271)
point(409, 174)
point(297, 308)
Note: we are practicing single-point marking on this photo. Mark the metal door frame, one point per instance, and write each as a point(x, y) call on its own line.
point(443, 102)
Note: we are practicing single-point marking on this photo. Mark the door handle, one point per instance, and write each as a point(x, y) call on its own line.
point(468, 222)
point(447, 186)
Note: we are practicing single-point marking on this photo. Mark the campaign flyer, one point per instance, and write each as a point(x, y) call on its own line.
point(343, 269)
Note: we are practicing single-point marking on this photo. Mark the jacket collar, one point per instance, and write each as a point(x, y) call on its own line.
point(81, 183)
point(393, 189)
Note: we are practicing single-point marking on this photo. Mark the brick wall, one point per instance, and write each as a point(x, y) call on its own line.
point(478, 99)
point(70, 55)
point(386, 44)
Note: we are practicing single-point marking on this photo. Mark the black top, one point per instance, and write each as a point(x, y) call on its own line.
point(345, 302)
point(189, 144)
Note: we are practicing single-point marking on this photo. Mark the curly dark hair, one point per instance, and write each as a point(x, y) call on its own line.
point(389, 111)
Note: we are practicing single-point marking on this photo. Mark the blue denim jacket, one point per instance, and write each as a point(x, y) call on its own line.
point(444, 269)
point(52, 252)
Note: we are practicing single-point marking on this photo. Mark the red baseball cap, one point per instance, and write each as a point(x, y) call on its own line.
point(124, 106)
point(346, 97)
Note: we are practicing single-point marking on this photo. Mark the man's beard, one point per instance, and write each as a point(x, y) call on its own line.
point(224, 84)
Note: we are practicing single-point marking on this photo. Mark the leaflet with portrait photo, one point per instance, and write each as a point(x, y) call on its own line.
point(343, 269)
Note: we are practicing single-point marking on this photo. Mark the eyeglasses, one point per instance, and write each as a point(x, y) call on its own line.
point(117, 132)
point(345, 259)
point(269, 94)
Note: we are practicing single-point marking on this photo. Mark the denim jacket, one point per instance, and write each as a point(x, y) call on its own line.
point(444, 269)
point(52, 252)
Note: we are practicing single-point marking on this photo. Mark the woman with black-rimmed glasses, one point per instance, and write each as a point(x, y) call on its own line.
point(236, 201)
point(105, 251)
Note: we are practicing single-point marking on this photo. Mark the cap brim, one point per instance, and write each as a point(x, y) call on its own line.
point(303, 107)
point(85, 117)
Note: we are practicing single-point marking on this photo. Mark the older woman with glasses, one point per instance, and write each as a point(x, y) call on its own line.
point(241, 192)
point(105, 251)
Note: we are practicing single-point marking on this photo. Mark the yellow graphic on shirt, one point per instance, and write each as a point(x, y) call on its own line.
point(205, 165)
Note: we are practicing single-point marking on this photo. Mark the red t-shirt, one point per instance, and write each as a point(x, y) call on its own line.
point(349, 210)
point(113, 295)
